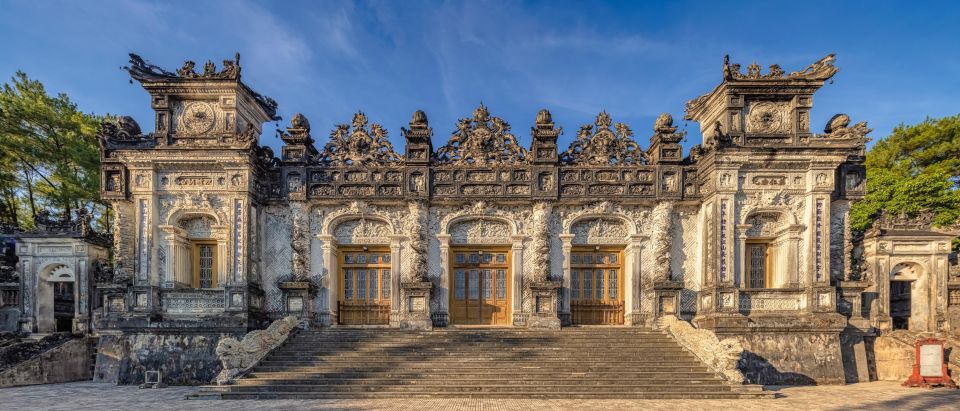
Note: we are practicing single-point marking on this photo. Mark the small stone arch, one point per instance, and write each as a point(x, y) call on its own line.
point(480, 229)
point(778, 231)
point(360, 229)
point(52, 276)
point(175, 251)
point(785, 217)
point(57, 272)
point(911, 304)
point(906, 271)
point(589, 229)
point(182, 214)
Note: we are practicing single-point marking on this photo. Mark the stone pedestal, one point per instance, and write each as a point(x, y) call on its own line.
point(415, 305)
point(298, 300)
point(850, 303)
point(544, 314)
point(666, 297)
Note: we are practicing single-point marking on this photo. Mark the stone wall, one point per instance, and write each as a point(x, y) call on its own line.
point(67, 362)
point(791, 358)
point(894, 359)
point(183, 359)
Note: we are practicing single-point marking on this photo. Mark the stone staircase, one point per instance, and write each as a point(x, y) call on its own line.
point(572, 363)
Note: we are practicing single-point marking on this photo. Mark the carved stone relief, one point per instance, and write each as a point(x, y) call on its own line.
point(769, 117)
point(599, 231)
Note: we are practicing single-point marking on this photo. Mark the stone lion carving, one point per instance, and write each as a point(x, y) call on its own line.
point(239, 356)
point(722, 356)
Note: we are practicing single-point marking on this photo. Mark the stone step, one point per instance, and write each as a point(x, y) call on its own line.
point(639, 395)
point(503, 370)
point(499, 387)
point(489, 380)
point(482, 374)
point(572, 363)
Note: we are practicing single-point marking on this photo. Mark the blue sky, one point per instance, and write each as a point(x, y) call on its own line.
point(899, 61)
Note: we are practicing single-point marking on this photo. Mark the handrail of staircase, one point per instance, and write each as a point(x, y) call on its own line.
point(239, 357)
point(721, 356)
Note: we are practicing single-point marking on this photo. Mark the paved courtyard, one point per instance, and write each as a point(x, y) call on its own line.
point(93, 396)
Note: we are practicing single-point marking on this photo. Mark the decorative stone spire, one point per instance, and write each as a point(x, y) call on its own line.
point(544, 145)
point(665, 142)
point(419, 145)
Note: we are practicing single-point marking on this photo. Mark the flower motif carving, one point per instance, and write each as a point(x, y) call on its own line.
point(354, 144)
point(769, 117)
point(482, 140)
point(604, 145)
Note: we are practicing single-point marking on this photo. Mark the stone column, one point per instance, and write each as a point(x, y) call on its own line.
point(567, 248)
point(743, 260)
point(519, 316)
point(633, 276)
point(442, 316)
point(395, 256)
point(330, 286)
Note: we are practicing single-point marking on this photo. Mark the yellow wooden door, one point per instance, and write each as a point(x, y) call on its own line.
point(481, 287)
point(596, 286)
point(365, 286)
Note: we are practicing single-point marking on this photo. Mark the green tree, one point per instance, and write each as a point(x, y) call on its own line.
point(917, 167)
point(48, 153)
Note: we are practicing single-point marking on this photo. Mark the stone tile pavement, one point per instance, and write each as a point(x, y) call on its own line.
point(102, 397)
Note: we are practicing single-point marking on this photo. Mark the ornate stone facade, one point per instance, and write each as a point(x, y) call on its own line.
point(678, 227)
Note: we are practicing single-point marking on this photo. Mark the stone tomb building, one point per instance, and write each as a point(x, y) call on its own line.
point(747, 235)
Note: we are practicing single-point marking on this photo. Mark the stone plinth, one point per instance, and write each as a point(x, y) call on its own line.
point(415, 313)
point(666, 297)
point(297, 298)
point(544, 314)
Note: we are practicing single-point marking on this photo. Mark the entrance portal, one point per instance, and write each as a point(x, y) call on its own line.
point(63, 301)
point(365, 286)
point(900, 303)
point(596, 286)
point(481, 286)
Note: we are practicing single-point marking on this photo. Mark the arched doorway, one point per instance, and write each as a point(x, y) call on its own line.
point(481, 262)
point(909, 298)
point(56, 299)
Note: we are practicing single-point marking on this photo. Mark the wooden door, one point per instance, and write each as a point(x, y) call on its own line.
point(759, 274)
point(205, 265)
point(365, 286)
point(480, 286)
point(596, 286)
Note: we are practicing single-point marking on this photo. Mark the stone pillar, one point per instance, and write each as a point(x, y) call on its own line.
point(331, 283)
point(519, 316)
point(544, 315)
point(567, 248)
point(633, 299)
point(442, 317)
point(416, 312)
point(395, 314)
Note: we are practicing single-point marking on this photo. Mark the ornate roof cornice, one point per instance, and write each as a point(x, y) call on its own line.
point(354, 144)
point(599, 144)
point(482, 140)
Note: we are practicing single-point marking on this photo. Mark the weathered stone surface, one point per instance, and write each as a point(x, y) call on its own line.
point(238, 356)
point(722, 356)
point(795, 358)
point(182, 359)
point(894, 359)
point(65, 362)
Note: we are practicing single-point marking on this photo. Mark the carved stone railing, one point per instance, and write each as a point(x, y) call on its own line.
point(238, 357)
point(193, 301)
point(721, 356)
point(772, 300)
